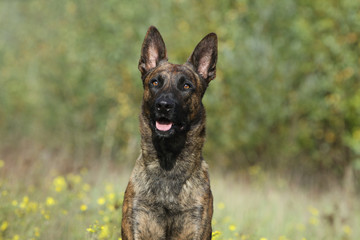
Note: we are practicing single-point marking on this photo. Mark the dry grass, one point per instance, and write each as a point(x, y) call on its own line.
point(43, 198)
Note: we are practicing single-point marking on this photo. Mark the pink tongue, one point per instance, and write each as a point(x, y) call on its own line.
point(163, 126)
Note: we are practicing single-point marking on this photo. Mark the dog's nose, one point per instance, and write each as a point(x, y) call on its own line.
point(164, 106)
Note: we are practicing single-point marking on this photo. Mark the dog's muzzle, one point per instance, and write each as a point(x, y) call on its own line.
point(164, 112)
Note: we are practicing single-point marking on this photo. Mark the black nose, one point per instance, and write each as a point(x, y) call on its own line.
point(164, 106)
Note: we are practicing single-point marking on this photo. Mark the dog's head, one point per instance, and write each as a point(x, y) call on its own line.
point(172, 92)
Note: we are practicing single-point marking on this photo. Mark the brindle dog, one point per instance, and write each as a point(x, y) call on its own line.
point(168, 195)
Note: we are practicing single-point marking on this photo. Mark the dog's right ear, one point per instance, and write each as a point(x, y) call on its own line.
point(153, 51)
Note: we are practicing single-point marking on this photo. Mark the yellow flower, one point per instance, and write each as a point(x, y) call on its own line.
point(16, 237)
point(4, 226)
point(105, 232)
point(83, 207)
point(59, 183)
point(109, 188)
point(111, 196)
point(101, 201)
point(86, 187)
point(221, 205)
point(90, 230)
point(300, 227)
point(346, 229)
point(313, 211)
point(24, 202)
point(245, 237)
point(37, 232)
point(50, 201)
point(75, 179)
point(232, 227)
point(263, 238)
point(14, 203)
point(45, 214)
point(2, 163)
point(106, 219)
point(215, 235)
point(33, 206)
point(314, 221)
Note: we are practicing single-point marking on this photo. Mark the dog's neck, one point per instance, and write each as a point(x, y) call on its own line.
point(168, 153)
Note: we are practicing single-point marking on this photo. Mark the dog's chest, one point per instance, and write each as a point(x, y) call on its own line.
point(173, 190)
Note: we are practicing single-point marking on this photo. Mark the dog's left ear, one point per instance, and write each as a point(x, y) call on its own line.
point(204, 57)
point(153, 51)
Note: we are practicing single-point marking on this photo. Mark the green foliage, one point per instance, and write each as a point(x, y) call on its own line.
point(286, 92)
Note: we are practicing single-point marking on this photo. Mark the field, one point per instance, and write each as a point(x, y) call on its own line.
point(42, 202)
point(283, 114)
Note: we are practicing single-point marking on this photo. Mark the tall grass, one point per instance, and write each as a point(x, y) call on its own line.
point(45, 203)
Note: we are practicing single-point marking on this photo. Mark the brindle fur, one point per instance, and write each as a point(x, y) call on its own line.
point(168, 195)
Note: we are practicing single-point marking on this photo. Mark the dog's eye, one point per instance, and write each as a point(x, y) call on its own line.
point(155, 83)
point(186, 86)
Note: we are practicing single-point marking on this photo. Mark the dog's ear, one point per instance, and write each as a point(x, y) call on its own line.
point(204, 57)
point(153, 51)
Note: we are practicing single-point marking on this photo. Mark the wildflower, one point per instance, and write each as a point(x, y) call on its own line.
point(50, 201)
point(109, 188)
point(232, 227)
point(216, 234)
point(106, 219)
point(221, 205)
point(314, 221)
point(73, 178)
point(313, 211)
point(263, 238)
point(86, 187)
point(16, 237)
point(245, 237)
point(83, 207)
point(283, 238)
point(346, 229)
point(14, 203)
point(45, 214)
point(33, 206)
point(59, 183)
point(111, 207)
point(2, 163)
point(4, 226)
point(101, 201)
point(37, 232)
point(24, 202)
point(111, 196)
point(105, 232)
point(300, 227)
point(90, 230)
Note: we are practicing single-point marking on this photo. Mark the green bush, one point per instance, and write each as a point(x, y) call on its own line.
point(286, 93)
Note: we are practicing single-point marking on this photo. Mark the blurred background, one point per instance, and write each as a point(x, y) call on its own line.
point(286, 96)
point(283, 114)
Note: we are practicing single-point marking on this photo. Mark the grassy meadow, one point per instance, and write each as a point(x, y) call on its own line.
point(45, 203)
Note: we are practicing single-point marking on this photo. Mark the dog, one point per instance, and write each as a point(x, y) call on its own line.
point(168, 195)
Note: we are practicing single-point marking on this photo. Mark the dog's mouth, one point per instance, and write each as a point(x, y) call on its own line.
point(163, 125)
